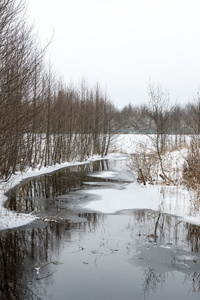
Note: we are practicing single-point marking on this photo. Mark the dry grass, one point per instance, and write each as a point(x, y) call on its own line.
point(146, 163)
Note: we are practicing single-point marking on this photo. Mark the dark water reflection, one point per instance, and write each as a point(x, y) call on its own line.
point(103, 258)
point(39, 193)
point(23, 251)
point(136, 254)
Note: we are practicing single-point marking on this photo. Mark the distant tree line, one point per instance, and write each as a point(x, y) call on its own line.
point(43, 121)
point(174, 119)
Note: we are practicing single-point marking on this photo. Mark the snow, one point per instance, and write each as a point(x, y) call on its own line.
point(170, 200)
point(132, 197)
point(175, 200)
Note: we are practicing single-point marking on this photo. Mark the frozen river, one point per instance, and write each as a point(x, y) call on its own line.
point(77, 253)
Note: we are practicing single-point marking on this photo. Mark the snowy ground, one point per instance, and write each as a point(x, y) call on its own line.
point(174, 200)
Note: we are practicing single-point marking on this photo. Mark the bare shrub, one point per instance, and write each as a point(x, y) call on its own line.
point(191, 167)
point(144, 164)
point(191, 175)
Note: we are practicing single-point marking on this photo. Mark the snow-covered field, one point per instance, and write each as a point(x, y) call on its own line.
point(174, 200)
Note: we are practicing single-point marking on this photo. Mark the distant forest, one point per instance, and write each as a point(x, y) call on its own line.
point(43, 121)
point(178, 119)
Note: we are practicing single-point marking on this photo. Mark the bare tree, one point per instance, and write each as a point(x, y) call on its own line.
point(159, 111)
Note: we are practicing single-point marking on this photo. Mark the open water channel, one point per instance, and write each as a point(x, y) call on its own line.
point(71, 253)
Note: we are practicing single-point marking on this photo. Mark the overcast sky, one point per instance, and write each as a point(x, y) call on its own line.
point(122, 44)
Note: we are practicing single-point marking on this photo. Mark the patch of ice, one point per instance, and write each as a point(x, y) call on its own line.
point(104, 174)
point(132, 197)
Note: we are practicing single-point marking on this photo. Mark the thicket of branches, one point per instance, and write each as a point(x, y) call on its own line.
point(191, 168)
point(42, 121)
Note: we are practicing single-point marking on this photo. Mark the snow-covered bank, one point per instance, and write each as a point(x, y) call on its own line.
point(10, 219)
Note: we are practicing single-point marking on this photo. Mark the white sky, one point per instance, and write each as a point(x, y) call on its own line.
point(123, 44)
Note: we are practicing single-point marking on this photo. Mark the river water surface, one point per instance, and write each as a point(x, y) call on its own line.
point(71, 253)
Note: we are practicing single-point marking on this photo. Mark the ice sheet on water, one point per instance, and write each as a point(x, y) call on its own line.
point(105, 184)
point(104, 174)
point(161, 259)
point(74, 199)
point(119, 175)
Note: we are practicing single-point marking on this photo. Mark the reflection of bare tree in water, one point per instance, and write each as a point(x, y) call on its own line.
point(93, 221)
point(18, 251)
point(193, 237)
point(51, 185)
point(162, 228)
point(28, 257)
point(194, 278)
point(152, 281)
point(100, 165)
point(155, 228)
